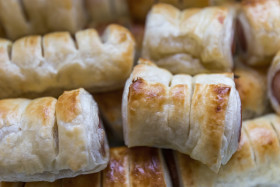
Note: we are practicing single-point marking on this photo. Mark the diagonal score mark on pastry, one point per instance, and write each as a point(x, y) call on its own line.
point(182, 113)
point(46, 139)
point(53, 63)
point(255, 163)
point(190, 41)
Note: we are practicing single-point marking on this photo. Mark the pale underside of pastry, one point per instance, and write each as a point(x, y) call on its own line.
point(190, 41)
point(199, 116)
point(256, 162)
point(46, 139)
point(35, 65)
point(23, 17)
point(259, 30)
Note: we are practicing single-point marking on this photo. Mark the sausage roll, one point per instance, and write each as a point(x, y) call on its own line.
point(252, 87)
point(256, 163)
point(23, 17)
point(199, 116)
point(175, 40)
point(46, 139)
point(140, 8)
point(259, 30)
point(56, 62)
point(127, 167)
point(110, 108)
point(274, 83)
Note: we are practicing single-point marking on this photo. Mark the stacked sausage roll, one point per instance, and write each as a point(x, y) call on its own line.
point(55, 62)
point(140, 8)
point(256, 163)
point(47, 139)
point(259, 30)
point(199, 116)
point(127, 167)
point(190, 41)
point(20, 18)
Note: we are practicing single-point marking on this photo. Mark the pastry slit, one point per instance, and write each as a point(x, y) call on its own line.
point(245, 133)
point(274, 128)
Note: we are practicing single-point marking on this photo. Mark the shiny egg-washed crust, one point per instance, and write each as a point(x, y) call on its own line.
point(136, 167)
point(46, 139)
point(256, 162)
point(273, 83)
point(23, 17)
point(117, 172)
point(35, 64)
point(261, 28)
point(199, 116)
point(182, 43)
point(252, 88)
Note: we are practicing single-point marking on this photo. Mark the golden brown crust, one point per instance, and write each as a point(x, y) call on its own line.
point(210, 116)
point(264, 140)
point(116, 173)
point(69, 105)
point(260, 24)
point(157, 108)
point(146, 167)
point(53, 63)
point(141, 93)
point(10, 109)
point(43, 109)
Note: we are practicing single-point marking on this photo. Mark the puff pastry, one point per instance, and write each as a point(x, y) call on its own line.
point(24, 17)
point(127, 167)
point(199, 116)
point(110, 108)
point(259, 30)
point(252, 87)
point(190, 41)
point(46, 139)
point(55, 62)
point(256, 163)
point(140, 8)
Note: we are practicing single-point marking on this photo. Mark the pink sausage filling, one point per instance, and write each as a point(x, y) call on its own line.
point(276, 86)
